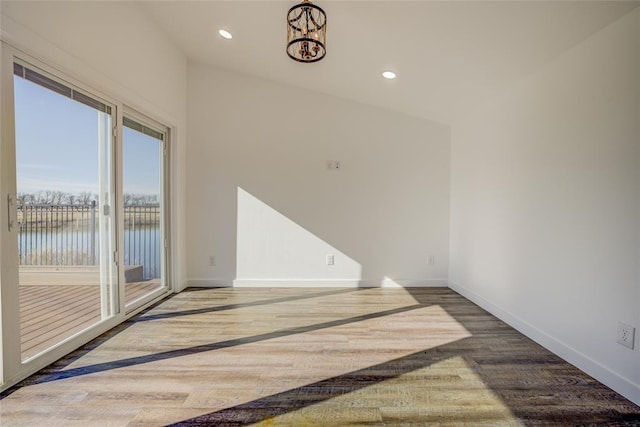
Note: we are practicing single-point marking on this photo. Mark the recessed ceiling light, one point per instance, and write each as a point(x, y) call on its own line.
point(389, 75)
point(226, 34)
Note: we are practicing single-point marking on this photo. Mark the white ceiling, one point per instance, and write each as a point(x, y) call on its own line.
point(448, 55)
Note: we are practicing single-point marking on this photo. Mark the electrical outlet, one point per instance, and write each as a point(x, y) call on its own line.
point(330, 260)
point(334, 164)
point(431, 260)
point(626, 334)
point(212, 261)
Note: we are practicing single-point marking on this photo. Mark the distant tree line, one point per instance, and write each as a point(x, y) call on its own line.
point(50, 197)
point(131, 199)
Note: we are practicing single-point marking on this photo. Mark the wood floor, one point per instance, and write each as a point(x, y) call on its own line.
point(313, 357)
point(50, 313)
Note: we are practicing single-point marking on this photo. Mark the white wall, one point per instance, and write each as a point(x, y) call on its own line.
point(545, 224)
point(114, 48)
point(263, 203)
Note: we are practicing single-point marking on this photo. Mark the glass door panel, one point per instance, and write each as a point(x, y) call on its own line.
point(143, 171)
point(64, 162)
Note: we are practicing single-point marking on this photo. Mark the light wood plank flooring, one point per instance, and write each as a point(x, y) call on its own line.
point(313, 357)
point(50, 314)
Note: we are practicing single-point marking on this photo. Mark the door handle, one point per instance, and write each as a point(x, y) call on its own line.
point(13, 211)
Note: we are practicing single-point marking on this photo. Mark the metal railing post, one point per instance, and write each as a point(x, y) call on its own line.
point(93, 233)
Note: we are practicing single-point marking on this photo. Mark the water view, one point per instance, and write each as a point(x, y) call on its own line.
point(68, 235)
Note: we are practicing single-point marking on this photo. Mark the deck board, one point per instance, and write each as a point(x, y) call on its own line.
point(52, 313)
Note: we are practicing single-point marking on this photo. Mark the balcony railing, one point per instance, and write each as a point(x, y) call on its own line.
point(67, 234)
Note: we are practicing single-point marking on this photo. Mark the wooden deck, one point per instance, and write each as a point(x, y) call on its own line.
point(52, 313)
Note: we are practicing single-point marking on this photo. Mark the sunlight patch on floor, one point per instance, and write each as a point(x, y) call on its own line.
point(247, 317)
point(446, 393)
point(227, 377)
point(292, 362)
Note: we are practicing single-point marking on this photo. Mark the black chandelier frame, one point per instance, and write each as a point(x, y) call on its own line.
point(300, 48)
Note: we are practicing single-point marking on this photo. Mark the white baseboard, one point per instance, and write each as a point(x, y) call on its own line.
point(408, 283)
point(292, 283)
point(598, 371)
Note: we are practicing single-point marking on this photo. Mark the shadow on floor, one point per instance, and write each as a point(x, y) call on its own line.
point(139, 360)
point(537, 387)
point(534, 385)
point(158, 316)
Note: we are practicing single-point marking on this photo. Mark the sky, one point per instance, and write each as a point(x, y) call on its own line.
point(57, 146)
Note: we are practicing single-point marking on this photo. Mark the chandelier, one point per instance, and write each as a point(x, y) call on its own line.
point(306, 32)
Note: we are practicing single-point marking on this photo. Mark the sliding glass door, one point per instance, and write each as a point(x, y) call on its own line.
point(84, 236)
point(67, 276)
point(144, 148)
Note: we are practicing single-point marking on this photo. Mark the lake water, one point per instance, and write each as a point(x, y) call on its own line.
point(142, 246)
